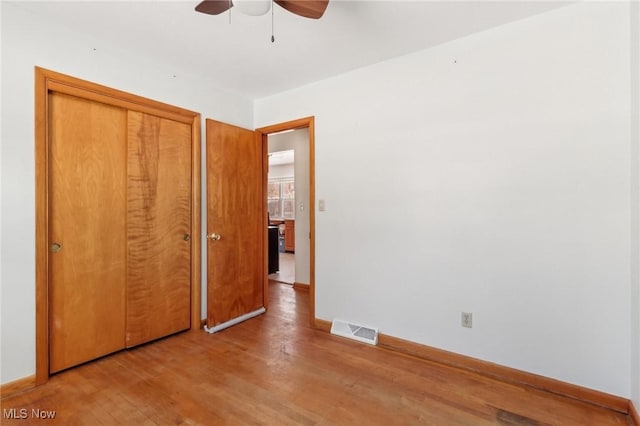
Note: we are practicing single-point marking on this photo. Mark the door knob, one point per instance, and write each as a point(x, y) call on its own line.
point(213, 236)
point(186, 237)
point(55, 247)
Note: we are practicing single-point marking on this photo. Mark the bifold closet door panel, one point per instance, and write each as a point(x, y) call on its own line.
point(87, 229)
point(158, 227)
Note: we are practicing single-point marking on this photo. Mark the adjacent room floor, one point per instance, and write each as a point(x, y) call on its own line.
point(276, 370)
point(287, 272)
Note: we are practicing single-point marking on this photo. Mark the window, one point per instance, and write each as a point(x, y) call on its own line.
point(281, 198)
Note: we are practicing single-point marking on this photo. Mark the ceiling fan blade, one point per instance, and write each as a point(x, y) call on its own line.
point(214, 7)
point(313, 9)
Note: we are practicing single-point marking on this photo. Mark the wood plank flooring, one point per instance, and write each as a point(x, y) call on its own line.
point(276, 370)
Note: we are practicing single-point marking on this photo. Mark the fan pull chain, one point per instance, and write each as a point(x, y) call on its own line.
point(230, 6)
point(273, 38)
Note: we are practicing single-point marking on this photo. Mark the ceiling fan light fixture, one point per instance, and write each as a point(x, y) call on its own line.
point(253, 7)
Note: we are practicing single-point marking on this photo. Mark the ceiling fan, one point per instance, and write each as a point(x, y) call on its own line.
point(313, 9)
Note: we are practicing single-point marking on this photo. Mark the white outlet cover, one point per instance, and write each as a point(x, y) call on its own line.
point(467, 319)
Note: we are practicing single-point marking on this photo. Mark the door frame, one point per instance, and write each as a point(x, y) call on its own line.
point(301, 123)
point(47, 81)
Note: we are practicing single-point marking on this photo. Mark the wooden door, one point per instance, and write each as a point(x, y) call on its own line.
point(158, 227)
point(87, 232)
point(236, 214)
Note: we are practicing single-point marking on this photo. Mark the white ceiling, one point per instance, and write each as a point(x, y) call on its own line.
point(280, 158)
point(239, 55)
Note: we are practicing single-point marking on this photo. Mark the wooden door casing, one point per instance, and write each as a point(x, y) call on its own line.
point(87, 218)
point(158, 228)
point(236, 211)
point(301, 123)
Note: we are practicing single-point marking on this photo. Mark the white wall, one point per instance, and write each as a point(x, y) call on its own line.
point(490, 175)
point(298, 140)
point(28, 40)
point(281, 171)
point(635, 203)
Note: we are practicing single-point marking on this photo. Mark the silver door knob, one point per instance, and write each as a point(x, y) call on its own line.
point(213, 236)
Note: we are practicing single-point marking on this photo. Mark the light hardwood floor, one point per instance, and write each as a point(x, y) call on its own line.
point(276, 370)
point(287, 272)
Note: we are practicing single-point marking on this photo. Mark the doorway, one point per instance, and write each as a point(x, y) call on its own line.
point(287, 200)
point(297, 135)
point(282, 202)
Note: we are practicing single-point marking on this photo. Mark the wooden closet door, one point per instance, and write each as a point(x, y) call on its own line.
point(158, 227)
point(87, 243)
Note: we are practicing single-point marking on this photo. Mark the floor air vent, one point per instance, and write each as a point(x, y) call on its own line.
point(355, 332)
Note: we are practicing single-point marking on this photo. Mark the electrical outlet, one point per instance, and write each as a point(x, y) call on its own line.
point(467, 319)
